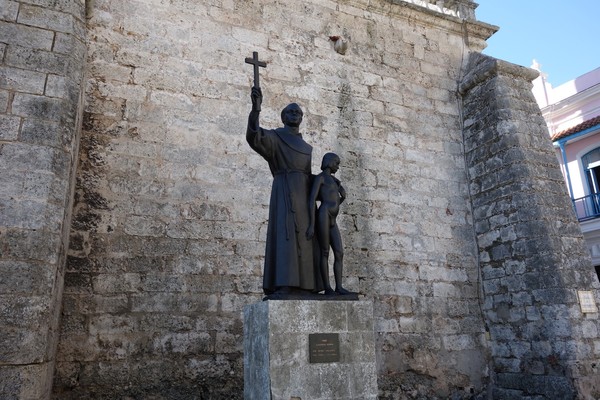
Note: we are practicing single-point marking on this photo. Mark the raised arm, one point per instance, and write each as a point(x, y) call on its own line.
point(253, 123)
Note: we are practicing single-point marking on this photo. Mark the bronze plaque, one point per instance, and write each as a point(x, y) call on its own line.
point(324, 347)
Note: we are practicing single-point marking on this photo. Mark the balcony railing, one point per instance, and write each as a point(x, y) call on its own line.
point(587, 207)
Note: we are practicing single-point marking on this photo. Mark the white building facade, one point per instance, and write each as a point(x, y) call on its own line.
point(572, 112)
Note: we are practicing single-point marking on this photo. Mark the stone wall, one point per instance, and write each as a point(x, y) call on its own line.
point(171, 204)
point(457, 223)
point(531, 250)
point(42, 55)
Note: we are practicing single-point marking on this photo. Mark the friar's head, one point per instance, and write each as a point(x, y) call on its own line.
point(291, 115)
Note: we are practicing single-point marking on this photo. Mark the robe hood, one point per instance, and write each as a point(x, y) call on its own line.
point(294, 141)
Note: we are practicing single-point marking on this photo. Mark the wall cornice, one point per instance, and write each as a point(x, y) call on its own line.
point(426, 12)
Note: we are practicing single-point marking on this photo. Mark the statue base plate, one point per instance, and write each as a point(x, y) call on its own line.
point(307, 349)
point(305, 295)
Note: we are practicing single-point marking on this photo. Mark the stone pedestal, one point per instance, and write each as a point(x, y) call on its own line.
point(277, 356)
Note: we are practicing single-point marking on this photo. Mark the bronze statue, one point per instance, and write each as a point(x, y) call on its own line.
point(288, 257)
point(290, 270)
point(329, 191)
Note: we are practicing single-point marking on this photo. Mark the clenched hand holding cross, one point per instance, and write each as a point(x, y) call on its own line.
point(256, 63)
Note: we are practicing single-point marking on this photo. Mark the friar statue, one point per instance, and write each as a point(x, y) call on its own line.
point(289, 267)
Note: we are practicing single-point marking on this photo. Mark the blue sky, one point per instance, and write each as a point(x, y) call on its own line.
point(562, 35)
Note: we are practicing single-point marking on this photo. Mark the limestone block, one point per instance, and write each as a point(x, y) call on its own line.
point(3, 95)
point(45, 133)
point(23, 244)
point(57, 86)
point(41, 106)
point(276, 350)
point(26, 382)
point(22, 81)
point(9, 127)
point(26, 36)
point(45, 18)
point(69, 44)
point(9, 10)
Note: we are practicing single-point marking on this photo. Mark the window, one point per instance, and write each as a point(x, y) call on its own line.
point(591, 165)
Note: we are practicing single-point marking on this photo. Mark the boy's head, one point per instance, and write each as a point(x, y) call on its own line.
point(331, 161)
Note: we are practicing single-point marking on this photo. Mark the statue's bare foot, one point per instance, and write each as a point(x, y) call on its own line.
point(341, 290)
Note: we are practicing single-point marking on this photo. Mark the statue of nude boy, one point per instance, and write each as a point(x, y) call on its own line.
point(328, 190)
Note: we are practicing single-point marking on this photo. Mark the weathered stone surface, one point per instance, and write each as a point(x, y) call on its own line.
point(43, 17)
point(276, 350)
point(8, 10)
point(532, 256)
point(168, 227)
point(9, 127)
point(26, 381)
point(25, 36)
point(38, 147)
point(20, 80)
point(170, 213)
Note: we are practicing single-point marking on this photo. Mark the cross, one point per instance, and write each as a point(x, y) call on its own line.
point(254, 61)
